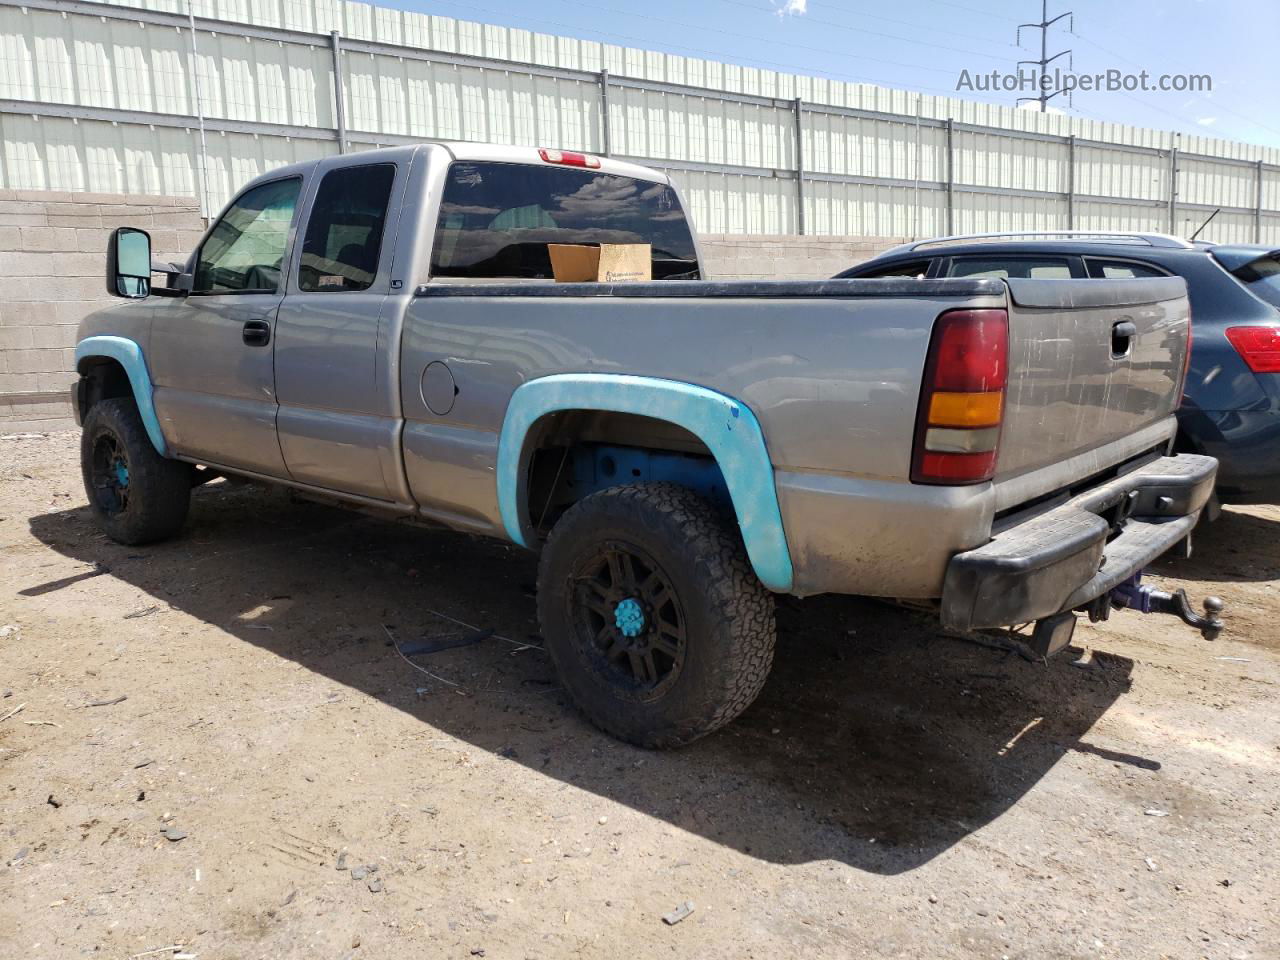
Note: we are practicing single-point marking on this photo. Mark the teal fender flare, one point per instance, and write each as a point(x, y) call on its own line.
point(129, 355)
point(728, 428)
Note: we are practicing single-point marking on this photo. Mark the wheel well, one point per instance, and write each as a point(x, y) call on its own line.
point(101, 378)
point(572, 454)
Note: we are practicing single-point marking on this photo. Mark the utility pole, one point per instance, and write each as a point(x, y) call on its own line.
point(1044, 61)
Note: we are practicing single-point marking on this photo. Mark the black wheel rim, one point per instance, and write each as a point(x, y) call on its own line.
point(628, 620)
point(110, 474)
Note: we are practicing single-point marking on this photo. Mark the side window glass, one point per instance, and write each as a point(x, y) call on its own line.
point(244, 252)
point(978, 268)
point(1019, 268)
point(916, 269)
point(344, 234)
point(1120, 270)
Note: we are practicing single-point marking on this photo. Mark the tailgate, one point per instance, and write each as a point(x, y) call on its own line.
point(1076, 382)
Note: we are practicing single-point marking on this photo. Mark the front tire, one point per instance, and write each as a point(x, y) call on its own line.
point(657, 625)
point(136, 495)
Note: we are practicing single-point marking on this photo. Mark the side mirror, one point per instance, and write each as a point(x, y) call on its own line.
point(129, 263)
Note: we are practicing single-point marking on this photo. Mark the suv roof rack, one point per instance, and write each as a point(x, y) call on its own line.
point(1109, 236)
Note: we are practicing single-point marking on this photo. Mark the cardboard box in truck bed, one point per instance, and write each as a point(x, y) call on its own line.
point(606, 263)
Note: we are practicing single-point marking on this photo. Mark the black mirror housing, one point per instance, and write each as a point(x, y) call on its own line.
point(129, 263)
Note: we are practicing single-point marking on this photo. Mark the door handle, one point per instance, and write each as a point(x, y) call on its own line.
point(256, 333)
point(1122, 334)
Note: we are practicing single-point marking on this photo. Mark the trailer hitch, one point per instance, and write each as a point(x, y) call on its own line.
point(1132, 595)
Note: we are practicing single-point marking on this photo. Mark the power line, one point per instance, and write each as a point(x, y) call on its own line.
point(1140, 66)
point(785, 43)
point(891, 36)
point(961, 6)
point(717, 55)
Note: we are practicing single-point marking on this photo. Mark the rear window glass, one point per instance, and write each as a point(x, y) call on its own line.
point(1040, 268)
point(496, 220)
point(1121, 270)
point(1262, 277)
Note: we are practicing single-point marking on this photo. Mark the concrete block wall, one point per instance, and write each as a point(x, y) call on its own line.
point(52, 257)
point(729, 256)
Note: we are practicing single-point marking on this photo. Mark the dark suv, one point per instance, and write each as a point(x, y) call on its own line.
point(1231, 409)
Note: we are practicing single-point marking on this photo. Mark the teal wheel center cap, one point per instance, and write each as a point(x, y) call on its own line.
point(122, 473)
point(628, 617)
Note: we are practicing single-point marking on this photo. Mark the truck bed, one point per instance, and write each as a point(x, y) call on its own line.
point(832, 369)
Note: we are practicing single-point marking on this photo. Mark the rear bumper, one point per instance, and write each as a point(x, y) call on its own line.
point(1067, 556)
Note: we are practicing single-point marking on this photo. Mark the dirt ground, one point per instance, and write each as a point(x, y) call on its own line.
point(893, 793)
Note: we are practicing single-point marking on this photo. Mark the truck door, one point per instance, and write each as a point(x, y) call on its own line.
point(339, 407)
point(210, 353)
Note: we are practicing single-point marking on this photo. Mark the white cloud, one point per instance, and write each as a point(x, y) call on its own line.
point(791, 8)
point(1206, 121)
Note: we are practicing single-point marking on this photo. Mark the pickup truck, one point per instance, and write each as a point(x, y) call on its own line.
point(383, 329)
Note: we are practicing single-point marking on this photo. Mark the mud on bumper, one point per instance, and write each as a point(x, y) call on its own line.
point(1078, 550)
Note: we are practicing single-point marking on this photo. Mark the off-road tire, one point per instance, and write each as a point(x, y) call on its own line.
point(157, 490)
point(729, 632)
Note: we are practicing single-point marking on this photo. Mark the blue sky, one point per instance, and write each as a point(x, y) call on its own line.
point(925, 44)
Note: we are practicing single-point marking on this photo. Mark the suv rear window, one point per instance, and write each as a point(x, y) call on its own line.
point(496, 220)
point(1262, 277)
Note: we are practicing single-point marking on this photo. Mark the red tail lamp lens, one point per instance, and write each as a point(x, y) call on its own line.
point(1258, 346)
point(962, 400)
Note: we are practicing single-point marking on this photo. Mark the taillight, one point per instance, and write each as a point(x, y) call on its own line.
point(962, 399)
point(568, 158)
point(1258, 346)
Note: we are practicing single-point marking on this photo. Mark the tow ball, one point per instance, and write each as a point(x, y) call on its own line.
point(1132, 595)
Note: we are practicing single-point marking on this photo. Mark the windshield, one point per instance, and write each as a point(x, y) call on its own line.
point(496, 220)
point(1262, 277)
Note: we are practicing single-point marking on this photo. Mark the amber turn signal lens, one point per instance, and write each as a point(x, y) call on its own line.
point(966, 409)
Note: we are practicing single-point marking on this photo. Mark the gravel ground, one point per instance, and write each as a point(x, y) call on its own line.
point(211, 727)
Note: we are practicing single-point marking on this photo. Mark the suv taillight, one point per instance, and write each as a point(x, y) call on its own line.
point(1258, 346)
point(962, 398)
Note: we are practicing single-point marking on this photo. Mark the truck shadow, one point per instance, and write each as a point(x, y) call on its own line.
point(1241, 546)
point(876, 742)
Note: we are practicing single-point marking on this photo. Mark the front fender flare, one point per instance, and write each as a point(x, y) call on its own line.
point(129, 355)
point(728, 428)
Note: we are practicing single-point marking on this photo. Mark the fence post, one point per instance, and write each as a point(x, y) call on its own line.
point(339, 106)
point(206, 208)
point(1173, 190)
point(1257, 207)
point(606, 147)
point(1071, 182)
point(799, 109)
point(951, 177)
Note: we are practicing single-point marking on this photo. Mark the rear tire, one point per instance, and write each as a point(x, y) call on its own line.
point(657, 625)
point(136, 495)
